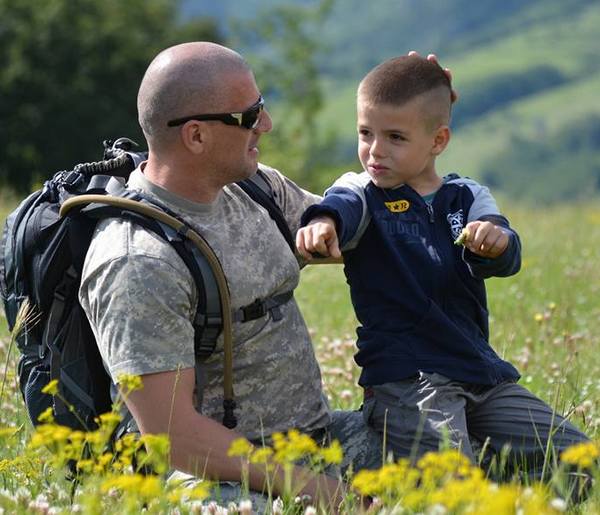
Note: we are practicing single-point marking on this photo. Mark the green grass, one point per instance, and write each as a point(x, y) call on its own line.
point(545, 320)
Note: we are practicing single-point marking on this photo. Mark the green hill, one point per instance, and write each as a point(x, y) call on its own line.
point(523, 90)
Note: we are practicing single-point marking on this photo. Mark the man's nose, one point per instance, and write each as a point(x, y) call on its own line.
point(265, 123)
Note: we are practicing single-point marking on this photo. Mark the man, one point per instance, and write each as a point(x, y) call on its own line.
point(140, 297)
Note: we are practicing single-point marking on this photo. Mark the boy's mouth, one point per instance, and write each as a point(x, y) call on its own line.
point(376, 167)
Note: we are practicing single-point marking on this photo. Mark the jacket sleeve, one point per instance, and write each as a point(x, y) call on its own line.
point(508, 263)
point(346, 203)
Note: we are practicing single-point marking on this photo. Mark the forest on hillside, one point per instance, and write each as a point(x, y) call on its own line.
point(528, 73)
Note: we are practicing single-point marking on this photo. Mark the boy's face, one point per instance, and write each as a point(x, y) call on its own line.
point(395, 146)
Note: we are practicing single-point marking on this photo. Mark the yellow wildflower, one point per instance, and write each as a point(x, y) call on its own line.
point(8, 431)
point(261, 455)
point(240, 447)
point(110, 419)
point(365, 482)
point(158, 444)
point(332, 454)
point(127, 483)
point(144, 487)
point(582, 455)
point(150, 487)
point(85, 465)
point(297, 445)
point(51, 388)
point(130, 383)
point(200, 491)
point(128, 444)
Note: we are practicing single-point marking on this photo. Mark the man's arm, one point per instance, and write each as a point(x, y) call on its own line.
point(291, 198)
point(199, 444)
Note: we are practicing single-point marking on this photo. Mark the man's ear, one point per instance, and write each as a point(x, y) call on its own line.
point(195, 136)
point(440, 140)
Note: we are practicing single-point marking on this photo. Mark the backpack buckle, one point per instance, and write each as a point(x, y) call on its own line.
point(253, 311)
point(68, 179)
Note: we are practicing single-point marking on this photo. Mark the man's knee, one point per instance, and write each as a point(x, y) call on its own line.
point(361, 444)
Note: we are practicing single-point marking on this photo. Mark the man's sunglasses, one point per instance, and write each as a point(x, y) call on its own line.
point(248, 118)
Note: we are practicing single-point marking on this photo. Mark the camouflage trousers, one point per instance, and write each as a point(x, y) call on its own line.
point(362, 448)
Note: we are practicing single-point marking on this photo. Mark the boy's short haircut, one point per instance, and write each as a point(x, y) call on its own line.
point(400, 79)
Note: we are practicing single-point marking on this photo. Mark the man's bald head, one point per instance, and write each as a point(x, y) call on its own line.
point(182, 80)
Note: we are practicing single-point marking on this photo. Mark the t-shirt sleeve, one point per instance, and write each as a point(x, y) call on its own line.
point(291, 198)
point(140, 308)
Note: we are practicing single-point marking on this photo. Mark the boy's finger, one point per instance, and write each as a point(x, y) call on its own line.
point(301, 246)
point(318, 244)
point(433, 58)
point(334, 248)
point(478, 237)
point(499, 243)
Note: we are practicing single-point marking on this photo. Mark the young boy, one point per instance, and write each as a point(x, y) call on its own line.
point(428, 371)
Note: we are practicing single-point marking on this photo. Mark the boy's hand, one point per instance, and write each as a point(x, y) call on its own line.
point(319, 237)
point(485, 239)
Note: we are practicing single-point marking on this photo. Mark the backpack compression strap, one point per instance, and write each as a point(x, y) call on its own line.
point(258, 189)
point(229, 419)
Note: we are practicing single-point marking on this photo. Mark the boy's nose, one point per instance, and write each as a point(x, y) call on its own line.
point(376, 149)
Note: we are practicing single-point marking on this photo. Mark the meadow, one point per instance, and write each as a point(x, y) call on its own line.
point(546, 320)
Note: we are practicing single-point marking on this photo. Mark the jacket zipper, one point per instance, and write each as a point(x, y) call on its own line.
point(430, 211)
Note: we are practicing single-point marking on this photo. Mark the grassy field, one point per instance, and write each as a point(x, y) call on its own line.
point(546, 320)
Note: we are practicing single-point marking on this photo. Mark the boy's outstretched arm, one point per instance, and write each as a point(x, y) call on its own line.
point(318, 237)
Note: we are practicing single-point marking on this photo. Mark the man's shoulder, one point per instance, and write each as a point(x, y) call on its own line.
point(118, 239)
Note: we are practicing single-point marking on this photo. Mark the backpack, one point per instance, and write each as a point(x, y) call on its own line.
point(43, 247)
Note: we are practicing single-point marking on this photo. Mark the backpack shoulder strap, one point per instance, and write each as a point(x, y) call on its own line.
point(204, 267)
point(258, 189)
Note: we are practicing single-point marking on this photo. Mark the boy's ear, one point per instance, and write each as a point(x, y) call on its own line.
point(440, 139)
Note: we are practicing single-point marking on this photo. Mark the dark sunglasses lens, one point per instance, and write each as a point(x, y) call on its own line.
point(251, 116)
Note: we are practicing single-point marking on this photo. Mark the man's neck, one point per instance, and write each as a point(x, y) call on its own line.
point(181, 180)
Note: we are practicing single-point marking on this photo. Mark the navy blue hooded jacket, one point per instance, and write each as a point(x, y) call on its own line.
point(420, 299)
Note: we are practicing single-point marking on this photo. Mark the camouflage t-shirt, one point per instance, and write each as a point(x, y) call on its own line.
point(140, 299)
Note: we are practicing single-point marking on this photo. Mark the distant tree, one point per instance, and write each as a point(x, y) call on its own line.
point(496, 91)
point(563, 166)
point(69, 77)
point(287, 45)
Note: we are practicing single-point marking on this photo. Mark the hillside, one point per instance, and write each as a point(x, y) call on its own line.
point(528, 74)
point(529, 88)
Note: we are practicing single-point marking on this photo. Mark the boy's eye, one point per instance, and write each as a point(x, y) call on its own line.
point(397, 137)
point(363, 132)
